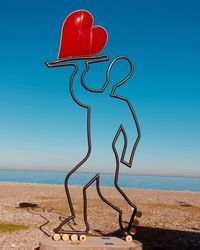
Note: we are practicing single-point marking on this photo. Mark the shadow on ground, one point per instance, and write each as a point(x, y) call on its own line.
point(27, 205)
point(157, 239)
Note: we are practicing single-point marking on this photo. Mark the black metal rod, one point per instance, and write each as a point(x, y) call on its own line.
point(94, 59)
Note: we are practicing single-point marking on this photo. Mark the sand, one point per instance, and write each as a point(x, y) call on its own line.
point(171, 219)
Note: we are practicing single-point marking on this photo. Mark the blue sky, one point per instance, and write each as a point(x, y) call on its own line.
point(41, 127)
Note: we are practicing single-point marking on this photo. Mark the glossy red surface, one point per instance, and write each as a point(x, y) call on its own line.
point(79, 37)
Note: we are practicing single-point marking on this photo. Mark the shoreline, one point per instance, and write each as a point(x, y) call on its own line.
point(75, 185)
point(173, 214)
point(130, 181)
point(107, 173)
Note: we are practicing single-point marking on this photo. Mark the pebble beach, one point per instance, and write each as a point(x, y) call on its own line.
point(30, 212)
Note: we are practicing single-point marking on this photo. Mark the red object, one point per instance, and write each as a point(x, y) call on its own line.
point(79, 37)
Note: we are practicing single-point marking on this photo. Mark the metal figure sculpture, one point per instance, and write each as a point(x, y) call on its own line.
point(89, 60)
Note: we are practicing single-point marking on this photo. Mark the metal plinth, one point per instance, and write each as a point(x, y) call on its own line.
point(92, 243)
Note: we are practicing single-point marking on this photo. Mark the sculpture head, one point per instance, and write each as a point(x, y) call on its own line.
point(112, 82)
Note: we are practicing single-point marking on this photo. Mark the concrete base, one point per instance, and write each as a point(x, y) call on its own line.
point(92, 243)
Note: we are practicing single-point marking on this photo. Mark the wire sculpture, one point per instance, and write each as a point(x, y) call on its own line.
point(96, 178)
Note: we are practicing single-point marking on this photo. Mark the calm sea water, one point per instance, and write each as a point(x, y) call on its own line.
point(146, 182)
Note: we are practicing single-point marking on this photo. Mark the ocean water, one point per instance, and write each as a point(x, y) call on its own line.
point(130, 181)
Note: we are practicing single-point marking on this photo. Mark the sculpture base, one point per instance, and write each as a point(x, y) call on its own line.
point(92, 243)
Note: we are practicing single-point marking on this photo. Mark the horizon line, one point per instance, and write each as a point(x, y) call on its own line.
point(91, 172)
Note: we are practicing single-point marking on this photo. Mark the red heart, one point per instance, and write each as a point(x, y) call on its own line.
point(79, 37)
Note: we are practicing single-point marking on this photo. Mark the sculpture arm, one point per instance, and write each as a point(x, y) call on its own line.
point(80, 94)
point(130, 144)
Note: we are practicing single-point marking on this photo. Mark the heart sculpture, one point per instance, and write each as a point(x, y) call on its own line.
point(79, 37)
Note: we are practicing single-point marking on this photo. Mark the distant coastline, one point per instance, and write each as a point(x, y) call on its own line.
point(128, 181)
point(109, 173)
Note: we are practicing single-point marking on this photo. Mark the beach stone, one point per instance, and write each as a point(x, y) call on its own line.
point(92, 243)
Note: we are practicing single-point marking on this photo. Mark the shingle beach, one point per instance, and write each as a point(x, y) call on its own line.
point(171, 219)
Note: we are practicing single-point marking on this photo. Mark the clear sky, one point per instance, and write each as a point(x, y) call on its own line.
point(41, 127)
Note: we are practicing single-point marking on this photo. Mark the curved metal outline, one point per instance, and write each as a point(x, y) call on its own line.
point(93, 59)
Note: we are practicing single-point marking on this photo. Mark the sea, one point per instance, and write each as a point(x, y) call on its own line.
point(129, 181)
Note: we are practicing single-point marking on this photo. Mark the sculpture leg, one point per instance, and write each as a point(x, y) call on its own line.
point(95, 178)
point(109, 203)
point(116, 184)
point(69, 200)
point(72, 216)
point(59, 229)
point(130, 203)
